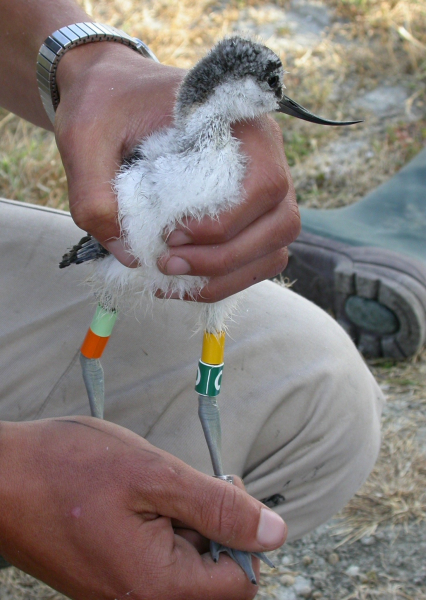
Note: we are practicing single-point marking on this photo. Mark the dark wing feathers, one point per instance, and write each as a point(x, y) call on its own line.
point(87, 249)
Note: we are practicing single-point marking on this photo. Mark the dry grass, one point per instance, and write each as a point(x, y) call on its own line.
point(30, 166)
point(395, 492)
point(178, 32)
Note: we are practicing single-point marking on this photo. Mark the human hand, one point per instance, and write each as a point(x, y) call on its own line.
point(248, 243)
point(95, 511)
point(106, 110)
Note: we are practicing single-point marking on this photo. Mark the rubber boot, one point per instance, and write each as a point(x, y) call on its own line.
point(366, 264)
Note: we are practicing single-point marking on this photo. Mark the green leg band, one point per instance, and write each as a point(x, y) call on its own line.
point(209, 379)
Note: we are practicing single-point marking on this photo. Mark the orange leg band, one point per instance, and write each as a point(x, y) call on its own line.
point(93, 345)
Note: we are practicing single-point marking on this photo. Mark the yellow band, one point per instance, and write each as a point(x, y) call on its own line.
point(213, 348)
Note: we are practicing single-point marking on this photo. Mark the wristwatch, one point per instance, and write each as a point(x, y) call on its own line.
point(66, 38)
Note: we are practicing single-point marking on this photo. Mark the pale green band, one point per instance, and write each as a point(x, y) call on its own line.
point(103, 322)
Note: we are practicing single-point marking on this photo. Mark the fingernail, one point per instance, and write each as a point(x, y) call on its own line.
point(177, 266)
point(117, 248)
point(179, 238)
point(271, 530)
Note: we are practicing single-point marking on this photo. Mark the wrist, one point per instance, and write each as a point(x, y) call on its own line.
point(82, 62)
point(62, 41)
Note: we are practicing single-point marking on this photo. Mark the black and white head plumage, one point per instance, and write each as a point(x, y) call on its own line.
point(230, 63)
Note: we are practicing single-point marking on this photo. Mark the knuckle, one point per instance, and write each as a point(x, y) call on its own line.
point(88, 214)
point(276, 183)
point(153, 481)
point(287, 226)
point(221, 230)
point(293, 222)
point(279, 262)
point(225, 513)
point(225, 263)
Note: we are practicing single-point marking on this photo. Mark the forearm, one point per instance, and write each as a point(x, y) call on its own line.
point(24, 25)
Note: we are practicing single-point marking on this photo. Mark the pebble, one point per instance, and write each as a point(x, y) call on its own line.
point(333, 558)
point(287, 560)
point(287, 580)
point(320, 578)
point(307, 560)
point(303, 586)
point(317, 595)
point(368, 540)
point(285, 594)
point(352, 571)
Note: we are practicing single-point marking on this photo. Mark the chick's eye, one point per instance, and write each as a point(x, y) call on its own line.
point(273, 81)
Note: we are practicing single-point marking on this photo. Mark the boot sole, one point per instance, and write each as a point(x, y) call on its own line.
point(378, 296)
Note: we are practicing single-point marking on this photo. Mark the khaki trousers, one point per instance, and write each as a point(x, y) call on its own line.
point(300, 410)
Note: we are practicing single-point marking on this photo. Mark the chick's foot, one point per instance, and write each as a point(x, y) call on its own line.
point(243, 559)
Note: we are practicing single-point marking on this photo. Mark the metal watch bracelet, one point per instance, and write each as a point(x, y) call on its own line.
point(66, 38)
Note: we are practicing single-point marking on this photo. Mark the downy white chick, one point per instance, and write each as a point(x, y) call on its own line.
point(193, 168)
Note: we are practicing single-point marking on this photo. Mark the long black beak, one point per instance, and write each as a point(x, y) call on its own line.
point(290, 107)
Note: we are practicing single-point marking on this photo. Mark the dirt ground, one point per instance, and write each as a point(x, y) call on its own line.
point(346, 59)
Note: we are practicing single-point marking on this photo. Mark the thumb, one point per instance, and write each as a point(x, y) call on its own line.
point(222, 512)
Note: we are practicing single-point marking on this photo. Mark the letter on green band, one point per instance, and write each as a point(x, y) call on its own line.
point(209, 379)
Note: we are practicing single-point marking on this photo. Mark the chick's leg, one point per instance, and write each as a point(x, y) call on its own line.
point(93, 376)
point(93, 346)
point(208, 382)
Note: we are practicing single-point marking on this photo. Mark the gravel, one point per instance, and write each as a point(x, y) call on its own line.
point(389, 565)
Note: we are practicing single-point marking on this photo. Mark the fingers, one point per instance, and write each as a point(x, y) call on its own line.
point(161, 484)
point(200, 543)
point(270, 232)
point(190, 575)
point(223, 286)
point(197, 576)
point(92, 202)
point(219, 288)
point(89, 508)
point(214, 508)
point(247, 244)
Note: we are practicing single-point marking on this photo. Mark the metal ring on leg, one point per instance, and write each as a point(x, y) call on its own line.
point(228, 478)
